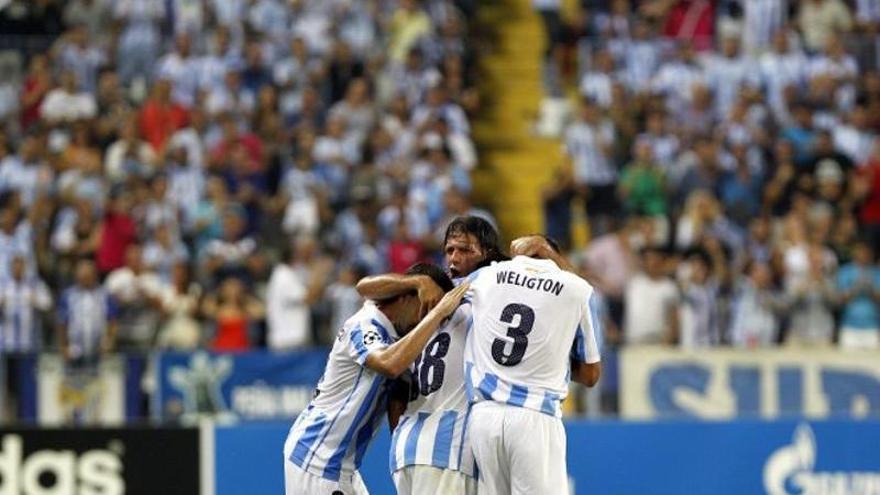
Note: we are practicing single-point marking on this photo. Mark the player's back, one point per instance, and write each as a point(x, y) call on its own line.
point(432, 431)
point(527, 314)
point(330, 437)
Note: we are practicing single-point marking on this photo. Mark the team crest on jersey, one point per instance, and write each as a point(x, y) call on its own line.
point(372, 336)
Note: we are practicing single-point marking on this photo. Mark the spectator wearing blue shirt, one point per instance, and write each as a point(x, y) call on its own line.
point(858, 285)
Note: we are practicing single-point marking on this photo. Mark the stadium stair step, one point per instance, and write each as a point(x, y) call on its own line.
point(514, 163)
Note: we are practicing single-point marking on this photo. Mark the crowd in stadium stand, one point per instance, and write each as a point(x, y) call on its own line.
point(728, 158)
point(214, 174)
point(190, 174)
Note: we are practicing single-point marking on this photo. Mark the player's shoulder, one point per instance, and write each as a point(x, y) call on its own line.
point(369, 320)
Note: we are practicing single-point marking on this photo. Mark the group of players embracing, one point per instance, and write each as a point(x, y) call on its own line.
point(470, 367)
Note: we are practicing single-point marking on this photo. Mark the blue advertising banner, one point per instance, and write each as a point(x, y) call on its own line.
point(255, 385)
point(834, 457)
point(52, 392)
point(726, 384)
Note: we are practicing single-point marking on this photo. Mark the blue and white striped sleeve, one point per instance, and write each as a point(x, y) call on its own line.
point(585, 348)
point(367, 337)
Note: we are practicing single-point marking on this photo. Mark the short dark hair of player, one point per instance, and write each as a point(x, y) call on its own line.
point(435, 272)
point(485, 233)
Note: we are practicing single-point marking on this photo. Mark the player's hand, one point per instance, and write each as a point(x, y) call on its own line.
point(533, 246)
point(429, 295)
point(451, 300)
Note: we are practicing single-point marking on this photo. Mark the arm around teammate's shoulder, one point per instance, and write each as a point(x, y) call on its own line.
point(393, 360)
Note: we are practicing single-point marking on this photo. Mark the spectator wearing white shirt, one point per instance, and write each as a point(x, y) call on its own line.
point(641, 58)
point(782, 67)
point(186, 185)
point(728, 71)
point(756, 310)
point(295, 286)
point(842, 70)
point(181, 68)
point(138, 291)
point(761, 19)
point(66, 103)
point(27, 173)
point(650, 303)
point(129, 155)
point(677, 77)
point(232, 97)
point(855, 138)
point(140, 40)
point(164, 251)
point(76, 54)
point(596, 83)
point(222, 57)
point(822, 20)
point(230, 254)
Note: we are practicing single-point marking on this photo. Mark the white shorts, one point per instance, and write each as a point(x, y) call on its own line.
point(856, 338)
point(518, 451)
point(299, 482)
point(418, 480)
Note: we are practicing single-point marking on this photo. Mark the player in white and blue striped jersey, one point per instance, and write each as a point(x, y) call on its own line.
point(329, 439)
point(519, 358)
point(430, 448)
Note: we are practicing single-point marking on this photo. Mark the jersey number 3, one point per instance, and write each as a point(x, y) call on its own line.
point(519, 334)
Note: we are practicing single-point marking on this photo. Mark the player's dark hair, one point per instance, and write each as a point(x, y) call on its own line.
point(435, 272)
point(485, 233)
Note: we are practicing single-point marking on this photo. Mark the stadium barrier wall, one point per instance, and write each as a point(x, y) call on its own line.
point(782, 457)
point(726, 383)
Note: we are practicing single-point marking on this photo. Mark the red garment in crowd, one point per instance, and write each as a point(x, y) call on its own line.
point(30, 114)
point(232, 334)
point(870, 210)
point(692, 20)
point(402, 255)
point(160, 120)
point(253, 147)
point(117, 233)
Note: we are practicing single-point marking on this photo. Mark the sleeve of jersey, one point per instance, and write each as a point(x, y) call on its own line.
point(473, 279)
point(367, 337)
point(585, 348)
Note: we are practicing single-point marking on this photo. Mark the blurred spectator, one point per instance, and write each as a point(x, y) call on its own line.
point(812, 301)
point(233, 314)
point(86, 317)
point(651, 303)
point(699, 307)
point(129, 156)
point(23, 298)
point(557, 198)
point(295, 286)
point(229, 254)
point(344, 298)
point(756, 309)
point(66, 102)
point(164, 251)
point(642, 185)
point(588, 144)
point(819, 20)
point(858, 284)
point(180, 306)
point(138, 292)
point(117, 232)
point(161, 117)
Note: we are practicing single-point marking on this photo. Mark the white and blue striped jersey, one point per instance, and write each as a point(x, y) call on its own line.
point(20, 325)
point(529, 318)
point(331, 436)
point(85, 314)
point(433, 430)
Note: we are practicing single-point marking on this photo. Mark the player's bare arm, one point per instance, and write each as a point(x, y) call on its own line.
point(396, 358)
point(586, 374)
point(392, 284)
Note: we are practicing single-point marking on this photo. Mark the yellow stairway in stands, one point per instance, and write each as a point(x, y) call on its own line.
point(514, 164)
